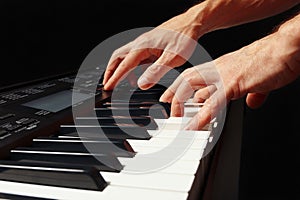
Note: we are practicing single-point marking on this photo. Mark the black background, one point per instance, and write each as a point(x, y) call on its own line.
point(44, 38)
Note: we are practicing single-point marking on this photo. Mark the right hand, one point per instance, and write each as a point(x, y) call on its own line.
point(253, 70)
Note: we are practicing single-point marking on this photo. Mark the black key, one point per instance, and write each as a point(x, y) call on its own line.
point(119, 148)
point(69, 176)
point(101, 162)
point(141, 121)
point(119, 132)
point(132, 101)
point(136, 104)
point(143, 95)
point(20, 197)
point(155, 111)
point(129, 104)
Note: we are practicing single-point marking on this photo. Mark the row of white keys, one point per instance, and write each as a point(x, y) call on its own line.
point(177, 175)
point(109, 193)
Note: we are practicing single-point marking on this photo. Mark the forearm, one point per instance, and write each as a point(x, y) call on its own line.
point(211, 15)
point(266, 64)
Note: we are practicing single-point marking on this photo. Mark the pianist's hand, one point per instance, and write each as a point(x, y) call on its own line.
point(254, 70)
point(168, 45)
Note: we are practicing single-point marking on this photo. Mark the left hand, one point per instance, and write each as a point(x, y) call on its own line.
point(167, 46)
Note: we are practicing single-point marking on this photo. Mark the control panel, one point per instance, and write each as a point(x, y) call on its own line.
point(38, 109)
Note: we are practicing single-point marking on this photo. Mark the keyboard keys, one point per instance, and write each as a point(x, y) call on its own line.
point(134, 133)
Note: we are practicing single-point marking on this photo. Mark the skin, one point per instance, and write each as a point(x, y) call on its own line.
point(231, 76)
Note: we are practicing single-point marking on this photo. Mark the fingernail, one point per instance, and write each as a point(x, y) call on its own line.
point(106, 87)
point(176, 113)
point(142, 81)
point(162, 99)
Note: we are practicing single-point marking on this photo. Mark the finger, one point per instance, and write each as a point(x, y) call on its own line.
point(204, 93)
point(130, 61)
point(111, 69)
point(191, 75)
point(202, 118)
point(168, 95)
point(177, 109)
point(115, 60)
point(183, 92)
point(157, 70)
point(132, 79)
point(255, 100)
point(207, 112)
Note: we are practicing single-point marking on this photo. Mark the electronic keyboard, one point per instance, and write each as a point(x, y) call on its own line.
point(113, 148)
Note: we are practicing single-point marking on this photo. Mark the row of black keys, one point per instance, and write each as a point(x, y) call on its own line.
point(63, 160)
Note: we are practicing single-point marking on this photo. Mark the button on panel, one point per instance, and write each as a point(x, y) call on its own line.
point(11, 126)
point(2, 101)
point(42, 112)
point(6, 116)
point(18, 126)
point(3, 132)
point(13, 96)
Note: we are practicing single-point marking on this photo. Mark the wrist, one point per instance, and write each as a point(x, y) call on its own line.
point(288, 36)
point(198, 20)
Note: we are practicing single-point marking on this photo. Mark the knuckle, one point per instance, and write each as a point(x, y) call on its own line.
point(154, 69)
point(109, 71)
point(188, 73)
point(119, 53)
point(212, 105)
point(116, 55)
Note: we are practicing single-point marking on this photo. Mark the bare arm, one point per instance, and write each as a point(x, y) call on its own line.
point(200, 19)
point(217, 14)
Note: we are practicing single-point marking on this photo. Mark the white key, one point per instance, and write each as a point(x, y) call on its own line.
point(172, 123)
point(181, 134)
point(191, 111)
point(159, 181)
point(177, 123)
point(179, 166)
point(160, 123)
point(109, 193)
point(191, 154)
point(161, 143)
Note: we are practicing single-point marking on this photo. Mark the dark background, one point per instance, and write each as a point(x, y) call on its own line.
point(44, 38)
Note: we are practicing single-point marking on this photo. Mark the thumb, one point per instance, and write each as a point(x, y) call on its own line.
point(255, 100)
